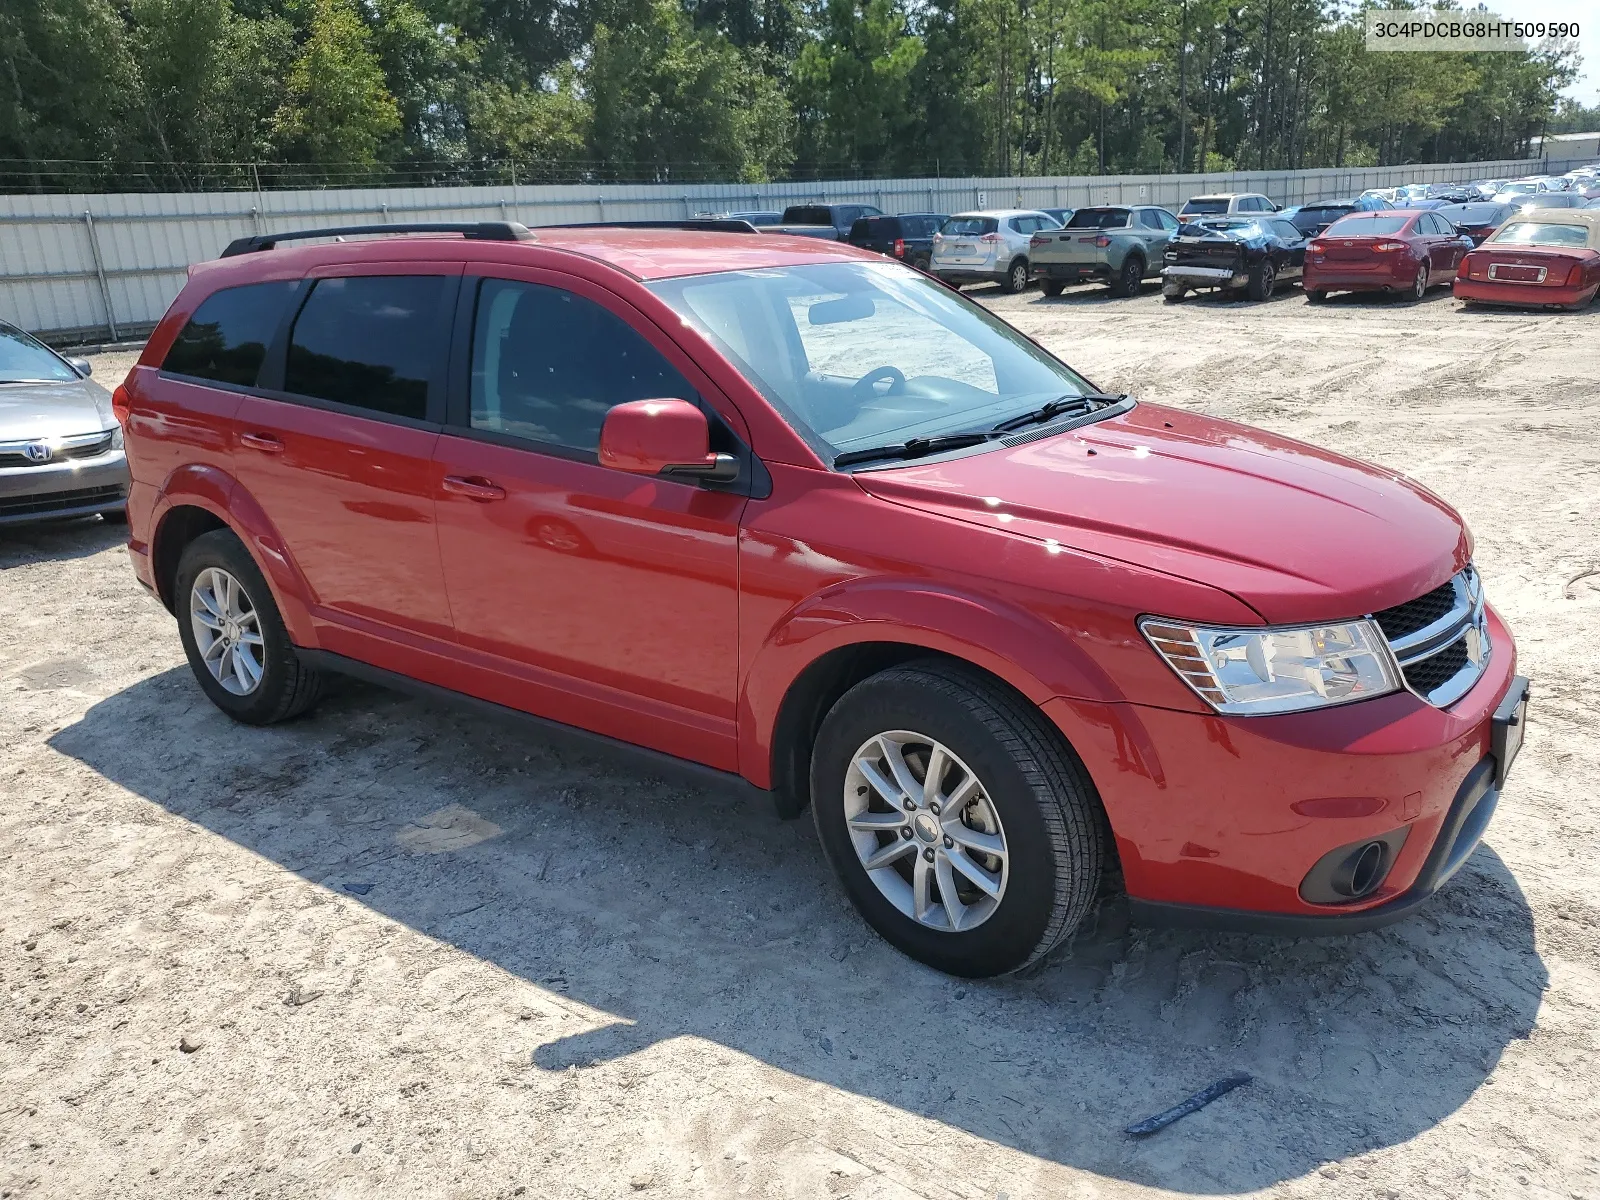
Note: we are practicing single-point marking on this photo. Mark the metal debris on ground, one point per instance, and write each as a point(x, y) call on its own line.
point(1193, 1104)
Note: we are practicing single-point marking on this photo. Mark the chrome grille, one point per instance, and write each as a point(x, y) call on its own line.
point(1440, 639)
point(85, 445)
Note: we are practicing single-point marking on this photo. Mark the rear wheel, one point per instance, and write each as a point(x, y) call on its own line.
point(1016, 277)
point(233, 636)
point(1419, 285)
point(1052, 287)
point(1262, 280)
point(1129, 277)
point(1315, 296)
point(962, 828)
point(1173, 293)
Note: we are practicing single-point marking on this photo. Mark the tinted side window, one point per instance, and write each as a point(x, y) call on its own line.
point(1286, 230)
point(547, 365)
point(372, 341)
point(1149, 220)
point(227, 337)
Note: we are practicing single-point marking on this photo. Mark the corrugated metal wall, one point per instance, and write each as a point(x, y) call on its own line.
point(108, 265)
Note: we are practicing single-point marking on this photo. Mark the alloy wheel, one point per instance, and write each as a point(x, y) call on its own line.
point(227, 631)
point(925, 831)
point(1419, 285)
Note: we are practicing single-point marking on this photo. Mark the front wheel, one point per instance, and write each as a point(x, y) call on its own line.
point(1173, 293)
point(1017, 277)
point(1262, 280)
point(234, 637)
point(962, 827)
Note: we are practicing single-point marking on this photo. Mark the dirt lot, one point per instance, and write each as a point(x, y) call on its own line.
point(421, 955)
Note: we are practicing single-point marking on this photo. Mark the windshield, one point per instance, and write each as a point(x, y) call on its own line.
point(1206, 206)
point(858, 354)
point(1367, 225)
point(1099, 218)
point(23, 360)
point(969, 226)
point(1542, 233)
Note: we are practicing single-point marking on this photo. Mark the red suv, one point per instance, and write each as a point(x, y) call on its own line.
point(798, 514)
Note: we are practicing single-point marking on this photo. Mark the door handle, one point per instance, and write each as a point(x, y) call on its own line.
point(264, 442)
point(473, 489)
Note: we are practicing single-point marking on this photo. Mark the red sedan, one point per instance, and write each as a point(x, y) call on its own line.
point(1549, 258)
point(1401, 251)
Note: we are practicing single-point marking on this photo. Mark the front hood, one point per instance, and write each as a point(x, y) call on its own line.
point(48, 410)
point(1297, 533)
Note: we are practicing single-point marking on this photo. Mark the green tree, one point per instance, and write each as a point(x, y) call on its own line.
point(338, 110)
point(852, 86)
point(674, 102)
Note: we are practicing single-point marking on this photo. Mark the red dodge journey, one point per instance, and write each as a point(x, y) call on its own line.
point(790, 512)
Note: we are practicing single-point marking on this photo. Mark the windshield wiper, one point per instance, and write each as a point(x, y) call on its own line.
point(914, 447)
point(1087, 401)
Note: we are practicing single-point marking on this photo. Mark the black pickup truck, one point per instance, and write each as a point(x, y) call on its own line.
point(831, 222)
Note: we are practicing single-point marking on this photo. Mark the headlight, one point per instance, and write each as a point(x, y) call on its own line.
point(1252, 672)
point(116, 437)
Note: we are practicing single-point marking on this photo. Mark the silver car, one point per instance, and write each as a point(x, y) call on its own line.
point(60, 445)
point(990, 246)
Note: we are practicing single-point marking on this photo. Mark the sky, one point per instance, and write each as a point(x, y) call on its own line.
point(1586, 13)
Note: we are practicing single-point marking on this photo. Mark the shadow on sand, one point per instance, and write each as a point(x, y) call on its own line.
point(684, 911)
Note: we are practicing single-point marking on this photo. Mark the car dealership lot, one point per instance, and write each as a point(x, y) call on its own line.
point(424, 955)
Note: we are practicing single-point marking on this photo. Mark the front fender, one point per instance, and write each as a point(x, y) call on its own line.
point(220, 494)
point(988, 632)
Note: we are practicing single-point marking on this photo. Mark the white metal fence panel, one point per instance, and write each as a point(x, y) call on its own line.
point(104, 265)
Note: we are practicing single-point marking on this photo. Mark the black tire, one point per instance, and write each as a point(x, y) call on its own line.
point(1419, 284)
point(1174, 294)
point(1054, 827)
point(115, 516)
point(288, 687)
point(1316, 296)
point(1129, 277)
point(1016, 279)
point(1263, 278)
point(1052, 287)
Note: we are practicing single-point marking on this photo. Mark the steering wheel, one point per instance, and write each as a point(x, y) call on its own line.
point(864, 387)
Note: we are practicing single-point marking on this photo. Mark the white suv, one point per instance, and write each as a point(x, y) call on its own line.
point(1226, 204)
point(988, 247)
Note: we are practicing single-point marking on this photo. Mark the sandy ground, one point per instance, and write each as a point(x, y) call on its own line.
point(393, 951)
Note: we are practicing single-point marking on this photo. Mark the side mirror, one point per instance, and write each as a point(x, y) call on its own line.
point(663, 437)
point(82, 366)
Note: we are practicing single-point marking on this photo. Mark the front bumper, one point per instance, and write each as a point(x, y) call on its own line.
point(1199, 277)
point(72, 488)
point(1222, 821)
point(1520, 295)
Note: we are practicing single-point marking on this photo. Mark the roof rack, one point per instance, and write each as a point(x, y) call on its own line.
point(486, 231)
point(703, 224)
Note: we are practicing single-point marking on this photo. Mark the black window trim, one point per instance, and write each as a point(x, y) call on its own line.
point(274, 368)
point(456, 419)
point(296, 298)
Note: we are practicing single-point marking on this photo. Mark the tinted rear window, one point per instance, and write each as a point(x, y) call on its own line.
point(1099, 218)
point(371, 341)
point(1368, 225)
point(226, 339)
point(1542, 233)
point(1326, 212)
point(969, 226)
point(1206, 206)
point(807, 214)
